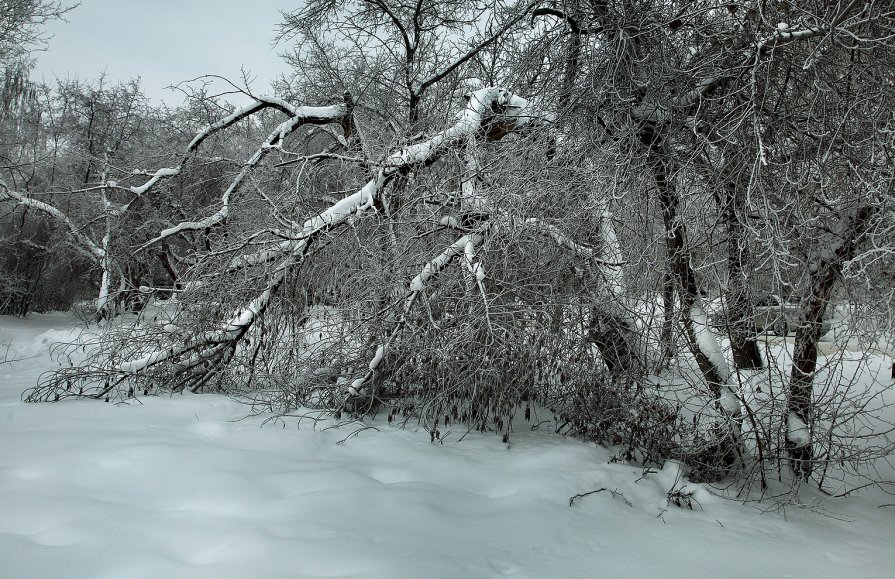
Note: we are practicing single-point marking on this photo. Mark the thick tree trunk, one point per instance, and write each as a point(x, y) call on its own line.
point(699, 337)
point(824, 273)
point(799, 419)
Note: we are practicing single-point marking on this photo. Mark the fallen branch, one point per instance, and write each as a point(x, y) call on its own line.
point(615, 494)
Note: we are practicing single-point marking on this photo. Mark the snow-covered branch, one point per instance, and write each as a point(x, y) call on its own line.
point(417, 286)
point(199, 358)
point(83, 241)
point(301, 116)
point(558, 237)
point(653, 111)
point(608, 259)
point(483, 106)
point(786, 33)
point(211, 346)
point(153, 179)
point(239, 114)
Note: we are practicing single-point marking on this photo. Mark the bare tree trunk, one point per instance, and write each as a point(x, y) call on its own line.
point(164, 255)
point(610, 329)
point(701, 341)
point(667, 336)
point(799, 405)
point(741, 323)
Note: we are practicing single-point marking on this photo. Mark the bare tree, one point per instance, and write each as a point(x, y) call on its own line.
point(22, 25)
point(738, 147)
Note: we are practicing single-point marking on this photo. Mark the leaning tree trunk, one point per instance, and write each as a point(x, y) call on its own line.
point(611, 329)
point(682, 274)
point(799, 404)
point(701, 340)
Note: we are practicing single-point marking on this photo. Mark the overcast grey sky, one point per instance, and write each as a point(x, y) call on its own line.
point(166, 41)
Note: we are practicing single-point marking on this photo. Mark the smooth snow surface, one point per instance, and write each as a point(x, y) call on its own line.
point(186, 486)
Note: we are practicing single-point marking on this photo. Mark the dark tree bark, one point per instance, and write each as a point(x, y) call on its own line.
point(609, 329)
point(165, 257)
point(684, 281)
point(675, 244)
point(741, 323)
point(667, 335)
point(799, 404)
point(616, 340)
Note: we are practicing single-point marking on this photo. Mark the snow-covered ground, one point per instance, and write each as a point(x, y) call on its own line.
point(188, 486)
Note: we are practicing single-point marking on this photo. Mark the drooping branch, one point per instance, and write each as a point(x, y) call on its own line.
point(83, 241)
point(260, 103)
point(300, 116)
point(619, 353)
point(416, 287)
point(198, 360)
point(484, 107)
